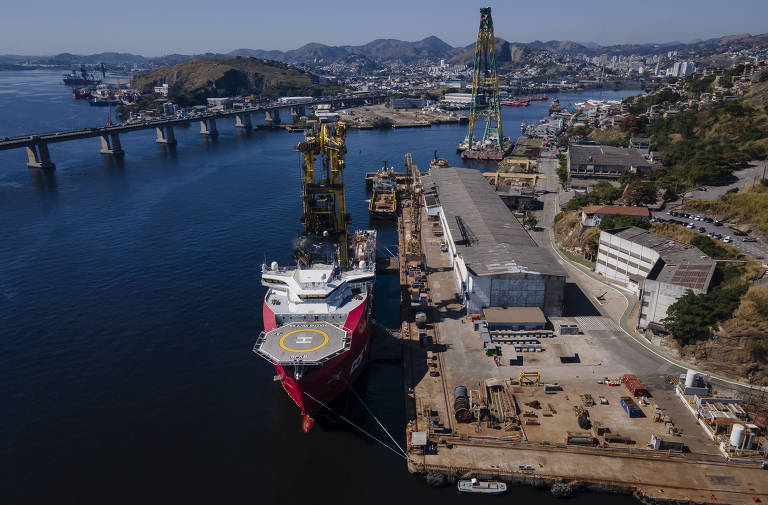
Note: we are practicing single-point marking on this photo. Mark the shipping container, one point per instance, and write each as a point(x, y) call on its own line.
point(630, 407)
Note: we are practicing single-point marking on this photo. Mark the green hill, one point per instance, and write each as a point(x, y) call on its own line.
point(191, 82)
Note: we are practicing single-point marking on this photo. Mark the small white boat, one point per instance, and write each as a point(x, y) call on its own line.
point(482, 487)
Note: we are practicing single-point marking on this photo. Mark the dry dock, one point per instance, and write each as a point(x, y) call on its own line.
point(526, 428)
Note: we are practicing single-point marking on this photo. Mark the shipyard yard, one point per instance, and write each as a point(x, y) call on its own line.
point(368, 115)
point(531, 429)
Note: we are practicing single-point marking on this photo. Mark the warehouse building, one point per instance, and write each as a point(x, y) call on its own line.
point(657, 269)
point(604, 162)
point(495, 262)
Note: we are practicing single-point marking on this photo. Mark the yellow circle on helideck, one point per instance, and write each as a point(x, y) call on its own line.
point(324, 334)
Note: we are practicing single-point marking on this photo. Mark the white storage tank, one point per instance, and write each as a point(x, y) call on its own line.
point(750, 441)
point(690, 378)
point(737, 435)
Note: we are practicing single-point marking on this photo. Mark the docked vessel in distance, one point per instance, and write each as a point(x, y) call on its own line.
point(81, 93)
point(554, 106)
point(384, 196)
point(316, 314)
point(481, 487)
point(83, 78)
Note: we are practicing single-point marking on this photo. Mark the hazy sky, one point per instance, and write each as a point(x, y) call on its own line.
point(155, 27)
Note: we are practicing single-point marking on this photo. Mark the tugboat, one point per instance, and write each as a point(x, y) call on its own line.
point(384, 197)
point(481, 487)
point(316, 314)
point(438, 162)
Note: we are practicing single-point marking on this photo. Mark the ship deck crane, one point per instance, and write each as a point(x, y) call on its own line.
point(323, 188)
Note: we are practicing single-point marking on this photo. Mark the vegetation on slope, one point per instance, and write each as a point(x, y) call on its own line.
point(748, 206)
point(191, 82)
point(693, 317)
point(706, 146)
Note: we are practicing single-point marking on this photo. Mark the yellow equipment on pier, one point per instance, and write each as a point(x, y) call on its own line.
point(530, 378)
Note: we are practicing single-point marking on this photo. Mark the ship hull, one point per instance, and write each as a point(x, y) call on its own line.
point(320, 385)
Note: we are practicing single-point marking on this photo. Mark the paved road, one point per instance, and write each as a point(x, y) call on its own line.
point(618, 304)
point(757, 170)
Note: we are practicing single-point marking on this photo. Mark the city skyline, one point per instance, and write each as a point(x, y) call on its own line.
point(153, 29)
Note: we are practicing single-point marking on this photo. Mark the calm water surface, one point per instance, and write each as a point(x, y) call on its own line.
point(130, 301)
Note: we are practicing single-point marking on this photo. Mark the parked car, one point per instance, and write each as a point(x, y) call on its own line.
point(718, 236)
point(702, 229)
point(749, 239)
point(690, 226)
point(718, 223)
point(727, 239)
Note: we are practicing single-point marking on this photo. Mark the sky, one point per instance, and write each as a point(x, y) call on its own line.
point(157, 27)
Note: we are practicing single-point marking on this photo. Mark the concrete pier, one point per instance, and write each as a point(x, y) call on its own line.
point(297, 111)
point(208, 127)
point(272, 117)
point(39, 157)
point(165, 135)
point(243, 120)
point(110, 145)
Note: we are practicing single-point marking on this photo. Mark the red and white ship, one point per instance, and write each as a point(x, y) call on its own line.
point(316, 314)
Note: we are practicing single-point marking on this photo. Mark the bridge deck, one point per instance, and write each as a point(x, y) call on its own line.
point(82, 133)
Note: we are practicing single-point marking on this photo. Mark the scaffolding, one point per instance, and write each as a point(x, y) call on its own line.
point(485, 86)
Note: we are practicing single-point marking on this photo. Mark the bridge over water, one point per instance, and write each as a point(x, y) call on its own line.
point(38, 154)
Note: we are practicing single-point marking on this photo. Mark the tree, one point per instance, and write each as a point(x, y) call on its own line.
point(693, 316)
point(613, 222)
point(627, 177)
point(640, 192)
point(670, 195)
point(530, 222)
point(605, 192)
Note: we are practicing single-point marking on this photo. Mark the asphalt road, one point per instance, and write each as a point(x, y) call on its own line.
point(756, 171)
point(641, 354)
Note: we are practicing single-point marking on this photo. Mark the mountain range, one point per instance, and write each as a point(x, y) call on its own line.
point(393, 50)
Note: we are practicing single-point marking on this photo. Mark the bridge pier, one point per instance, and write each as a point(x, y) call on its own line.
point(39, 157)
point(272, 117)
point(110, 145)
point(208, 127)
point(165, 135)
point(296, 112)
point(243, 120)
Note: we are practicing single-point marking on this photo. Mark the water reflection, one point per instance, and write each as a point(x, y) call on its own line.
point(44, 180)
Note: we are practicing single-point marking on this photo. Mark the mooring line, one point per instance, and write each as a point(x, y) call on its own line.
point(403, 455)
point(376, 418)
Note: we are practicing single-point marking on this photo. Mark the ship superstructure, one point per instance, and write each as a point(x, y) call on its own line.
point(316, 314)
point(384, 193)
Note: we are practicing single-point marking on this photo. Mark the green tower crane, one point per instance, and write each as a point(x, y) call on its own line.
point(485, 84)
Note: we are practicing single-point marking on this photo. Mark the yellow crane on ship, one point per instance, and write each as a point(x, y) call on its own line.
point(322, 186)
